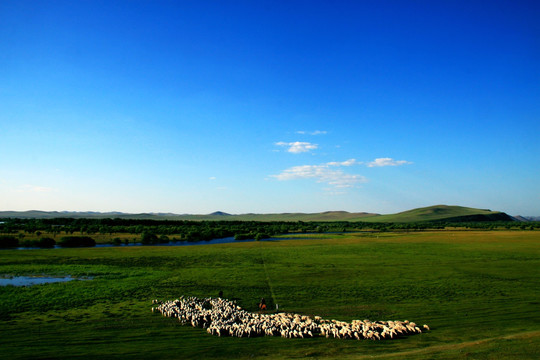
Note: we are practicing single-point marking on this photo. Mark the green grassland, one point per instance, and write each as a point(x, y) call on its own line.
point(479, 291)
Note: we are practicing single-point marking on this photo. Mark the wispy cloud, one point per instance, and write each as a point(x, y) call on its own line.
point(344, 163)
point(298, 146)
point(379, 162)
point(325, 173)
point(316, 132)
point(331, 173)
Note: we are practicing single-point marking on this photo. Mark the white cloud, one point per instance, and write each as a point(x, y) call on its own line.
point(387, 162)
point(344, 163)
point(298, 146)
point(212, 178)
point(322, 174)
point(316, 132)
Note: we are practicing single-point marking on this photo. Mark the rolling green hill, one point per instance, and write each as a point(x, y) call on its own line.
point(442, 212)
point(218, 215)
point(324, 216)
point(431, 213)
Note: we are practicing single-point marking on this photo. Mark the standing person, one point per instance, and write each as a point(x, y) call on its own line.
point(262, 304)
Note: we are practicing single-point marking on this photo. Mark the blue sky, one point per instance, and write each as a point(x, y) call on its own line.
point(269, 106)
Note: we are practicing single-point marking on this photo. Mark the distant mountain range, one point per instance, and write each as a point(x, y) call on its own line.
point(431, 213)
point(527, 218)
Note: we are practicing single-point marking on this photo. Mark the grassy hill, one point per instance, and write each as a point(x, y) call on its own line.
point(431, 213)
point(218, 215)
point(442, 212)
point(324, 216)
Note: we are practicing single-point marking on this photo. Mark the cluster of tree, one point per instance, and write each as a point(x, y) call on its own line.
point(44, 242)
point(76, 241)
point(159, 231)
point(149, 238)
point(7, 241)
point(187, 230)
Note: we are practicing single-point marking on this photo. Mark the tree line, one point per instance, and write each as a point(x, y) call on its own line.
point(158, 231)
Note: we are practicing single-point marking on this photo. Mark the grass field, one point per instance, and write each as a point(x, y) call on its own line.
point(478, 291)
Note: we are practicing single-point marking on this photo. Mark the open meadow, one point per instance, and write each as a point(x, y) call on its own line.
point(479, 292)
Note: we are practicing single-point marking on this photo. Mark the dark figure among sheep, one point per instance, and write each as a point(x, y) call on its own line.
point(222, 317)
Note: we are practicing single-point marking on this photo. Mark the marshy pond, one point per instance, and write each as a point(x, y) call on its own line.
point(34, 280)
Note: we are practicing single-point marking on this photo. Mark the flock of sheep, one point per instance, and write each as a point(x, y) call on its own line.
point(224, 318)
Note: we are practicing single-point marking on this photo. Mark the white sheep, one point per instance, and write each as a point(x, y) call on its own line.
point(222, 317)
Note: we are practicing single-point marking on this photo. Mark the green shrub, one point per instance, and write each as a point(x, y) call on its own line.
point(28, 243)
point(41, 243)
point(260, 236)
point(46, 242)
point(76, 241)
point(149, 238)
point(7, 241)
